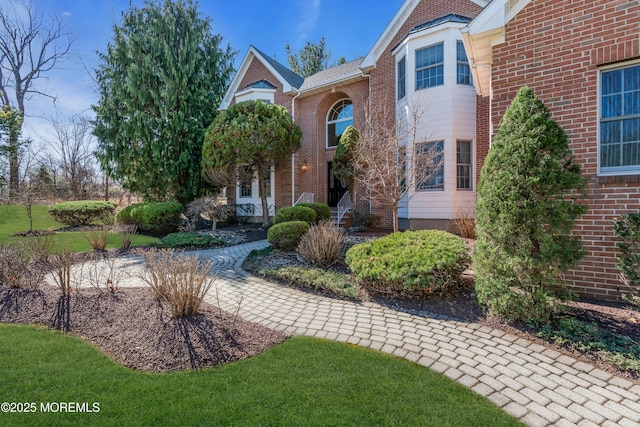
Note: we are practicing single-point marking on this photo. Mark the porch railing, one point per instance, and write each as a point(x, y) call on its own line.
point(305, 198)
point(345, 205)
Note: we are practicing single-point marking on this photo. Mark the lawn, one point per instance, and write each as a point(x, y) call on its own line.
point(13, 219)
point(303, 381)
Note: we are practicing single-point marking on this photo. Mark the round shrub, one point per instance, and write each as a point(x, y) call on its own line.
point(82, 212)
point(411, 262)
point(286, 235)
point(156, 218)
point(295, 213)
point(323, 211)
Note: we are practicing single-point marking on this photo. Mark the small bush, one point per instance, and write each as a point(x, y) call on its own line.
point(82, 212)
point(627, 230)
point(315, 278)
point(323, 211)
point(322, 244)
point(182, 240)
point(365, 221)
point(241, 213)
point(286, 235)
point(181, 281)
point(126, 233)
point(155, 218)
point(466, 224)
point(97, 239)
point(24, 264)
point(411, 262)
point(295, 213)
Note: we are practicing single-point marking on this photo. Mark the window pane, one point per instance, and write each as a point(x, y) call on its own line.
point(631, 154)
point(632, 102)
point(429, 56)
point(402, 90)
point(610, 155)
point(632, 78)
point(340, 117)
point(631, 130)
point(430, 159)
point(461, 54)
point(463, 74)
point(332, 137)
point(611, 82)
point(611, 106)
point(463, 167)
point(610, 132)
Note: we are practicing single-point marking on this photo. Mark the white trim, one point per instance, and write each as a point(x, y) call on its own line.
point(614, 170)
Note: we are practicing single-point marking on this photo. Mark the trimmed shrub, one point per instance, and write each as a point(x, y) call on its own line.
point(156, 218)
point(323, 211)
point(295, 213)
point(409, 263)
point(322, 244)
point(82, 212)
point(627, 230)
point(527, 204)
point(197, 240)
point(286, 235)
point(315, 278)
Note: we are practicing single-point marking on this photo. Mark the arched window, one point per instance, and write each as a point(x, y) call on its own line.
point(339, 118)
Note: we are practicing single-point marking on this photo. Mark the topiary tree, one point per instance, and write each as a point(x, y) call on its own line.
point(254, 135)
point(527, 204)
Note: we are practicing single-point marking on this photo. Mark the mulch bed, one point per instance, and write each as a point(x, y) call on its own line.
point(135, 330)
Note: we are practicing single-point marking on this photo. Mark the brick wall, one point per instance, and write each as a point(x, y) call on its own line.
point(383, 77)
point(556, 47)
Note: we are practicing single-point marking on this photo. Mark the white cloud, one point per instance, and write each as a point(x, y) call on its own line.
point(66, 13)
point(307, 19)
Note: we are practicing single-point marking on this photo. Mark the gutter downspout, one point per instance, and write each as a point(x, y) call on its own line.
point(293, 155)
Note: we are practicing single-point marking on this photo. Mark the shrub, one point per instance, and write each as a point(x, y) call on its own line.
point(525, 212)
point(322, 244)
point(241, 213)
point(411, 262)
point(323, 211)
point(466, 224)
point(295, 213)
point(365, 221)
point(286, 235)
point(82, 212)
point(24, 264)
point(156, 218)
point(181, 281)
point(126, 233)
point(315, 278)
point(198, 240)
point(97, 239)
point(627, 230)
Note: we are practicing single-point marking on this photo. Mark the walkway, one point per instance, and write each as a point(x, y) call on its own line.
point(537, 385)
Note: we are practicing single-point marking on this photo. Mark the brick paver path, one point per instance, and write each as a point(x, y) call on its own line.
point(537, 385)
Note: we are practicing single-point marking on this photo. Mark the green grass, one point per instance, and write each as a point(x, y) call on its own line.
point(302, 382)
point(13, 219)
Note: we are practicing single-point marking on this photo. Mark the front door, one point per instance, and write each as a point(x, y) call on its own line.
point(336, 189)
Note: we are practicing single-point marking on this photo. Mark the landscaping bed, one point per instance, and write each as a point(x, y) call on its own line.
point(137, 331)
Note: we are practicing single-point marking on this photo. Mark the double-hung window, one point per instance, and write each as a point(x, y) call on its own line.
point(430, 66)
point(463, 71)
point(463, 165)
point(402, 77)
point(620, 120)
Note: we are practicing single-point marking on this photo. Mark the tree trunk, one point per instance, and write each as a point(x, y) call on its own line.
point(14, 172)
point(395, 218)
point(263, 197)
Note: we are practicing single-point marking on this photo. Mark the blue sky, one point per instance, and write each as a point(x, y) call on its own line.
point(350, 27)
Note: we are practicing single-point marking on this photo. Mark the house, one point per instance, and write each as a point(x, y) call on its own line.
point(463, 61)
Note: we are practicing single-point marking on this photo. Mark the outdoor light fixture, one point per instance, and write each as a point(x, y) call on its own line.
point(305, 166)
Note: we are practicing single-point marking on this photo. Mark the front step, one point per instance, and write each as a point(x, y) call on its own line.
point(346, 218)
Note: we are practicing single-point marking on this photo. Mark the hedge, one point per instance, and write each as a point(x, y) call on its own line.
point(323, 211)
point(82, 212)
point(295, 213)
point(156, 218)
point(286, 235)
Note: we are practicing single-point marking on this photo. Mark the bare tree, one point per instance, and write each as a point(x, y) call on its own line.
point(394, 158)
point(74, 146)
point(30, 46)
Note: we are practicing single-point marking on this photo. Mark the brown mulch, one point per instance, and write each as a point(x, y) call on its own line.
point(135, 330)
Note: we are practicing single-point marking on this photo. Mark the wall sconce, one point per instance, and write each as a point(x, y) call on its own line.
point(305, 166)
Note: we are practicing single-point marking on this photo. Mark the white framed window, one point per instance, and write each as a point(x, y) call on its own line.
point(402, 78)
point(619, 120)
point(339, 118)
point(430, 66)
point(429, 165)
point(464, 165)
point(463, 71)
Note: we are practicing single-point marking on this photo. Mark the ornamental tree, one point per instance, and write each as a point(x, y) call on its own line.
point(528, 200)
point(344, 167)
point(160, 81)
point(250, 136)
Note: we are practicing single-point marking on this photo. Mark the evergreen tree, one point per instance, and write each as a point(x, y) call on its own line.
point(312, 58)
point(161, 80)
point(250, 136)
point(343, 166)
point(526, 209)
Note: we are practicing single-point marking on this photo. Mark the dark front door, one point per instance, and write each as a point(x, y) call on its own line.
point(336, 189)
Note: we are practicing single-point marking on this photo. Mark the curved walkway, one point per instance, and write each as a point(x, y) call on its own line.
point(537, 385)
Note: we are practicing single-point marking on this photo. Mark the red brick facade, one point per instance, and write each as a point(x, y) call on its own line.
point(556, 47)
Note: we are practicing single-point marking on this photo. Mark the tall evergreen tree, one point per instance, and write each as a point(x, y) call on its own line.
point(161, 80)
point(251, 136)
point(526, 208)
point(312, 58)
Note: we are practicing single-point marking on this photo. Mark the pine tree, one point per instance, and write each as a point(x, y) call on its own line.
point(311, 59)
point(526, 209)
point(161, 81)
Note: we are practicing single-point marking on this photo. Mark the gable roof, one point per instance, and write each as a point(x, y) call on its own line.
point(289, 80)
point(331, 76)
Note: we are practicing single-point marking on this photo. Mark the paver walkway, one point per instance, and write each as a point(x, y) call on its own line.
point(537, 385)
